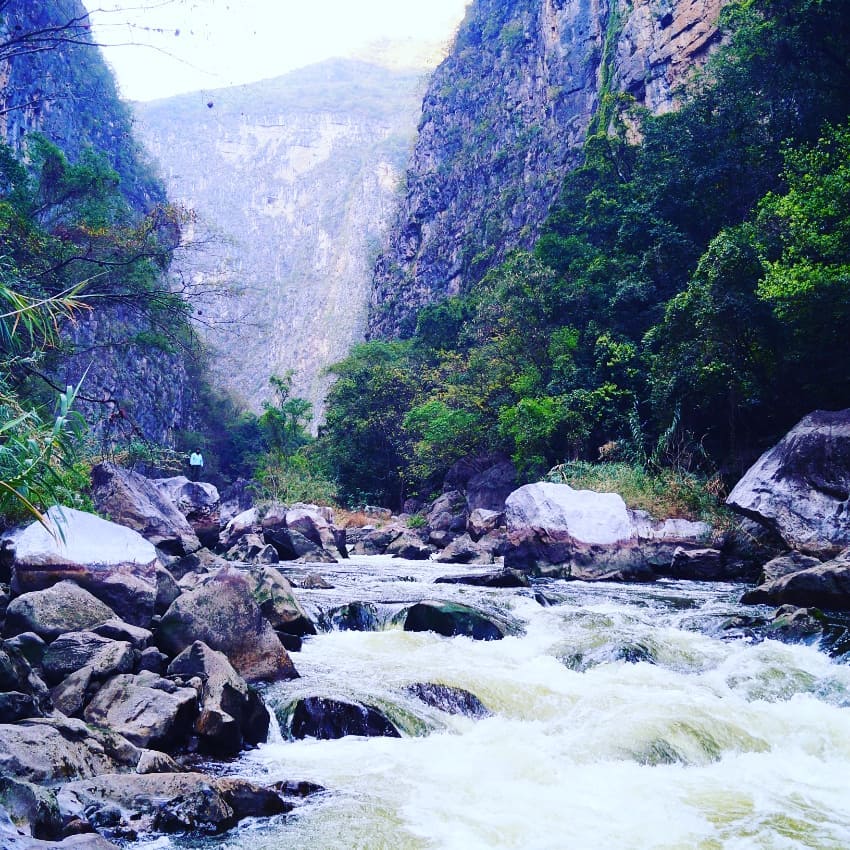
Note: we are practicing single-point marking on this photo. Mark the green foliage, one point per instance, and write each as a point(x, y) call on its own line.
point(285, 478)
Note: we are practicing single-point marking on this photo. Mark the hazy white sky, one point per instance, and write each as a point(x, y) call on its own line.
point(173, 46)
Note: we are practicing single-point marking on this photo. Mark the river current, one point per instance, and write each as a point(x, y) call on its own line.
point(624, 717)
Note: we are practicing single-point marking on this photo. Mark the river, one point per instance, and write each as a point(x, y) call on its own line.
point(624, 717)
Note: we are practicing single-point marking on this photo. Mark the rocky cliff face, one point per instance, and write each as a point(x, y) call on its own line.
point(505, 117)
point(294, 180)
point(54, 81)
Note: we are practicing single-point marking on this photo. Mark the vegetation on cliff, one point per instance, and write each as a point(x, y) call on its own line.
point(687, 301)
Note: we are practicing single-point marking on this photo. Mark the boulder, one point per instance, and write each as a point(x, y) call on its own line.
point(784, 565)
point(116, 629)
point(554, 529)
point(700, 565)
point(223, 614)
point(273, 593)
point(32, 809)
point(499, 578)
point(325, 719)
point(198, 501)
point(201, 561)
point(73, 694)
point(246, 522)
point(167, 589)
point(449, 699)
point(113, 563)
point(451, 619)
point(800, 488)
point(824, 586)
point(152, 660)
point(235, 499)
point(64, 607)
point(22, 692)
point(410, 546)
point(51, 750)
point(135, 502)
point(796, 625)
point(147, 710)
point(464, 550)
point(314, 581)
point(376, 540)
point(232, 714)
point(250, 549)
point(30, 645)
point(300, 533)
point(482, 521)
point(353, 617)
point(448, 512)
point(489, 489)
point(74, 650)
point(133, 804)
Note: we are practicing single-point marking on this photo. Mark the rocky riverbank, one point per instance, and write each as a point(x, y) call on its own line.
point(133, 647)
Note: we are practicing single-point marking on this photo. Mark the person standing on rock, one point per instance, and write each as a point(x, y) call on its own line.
point(196, 465)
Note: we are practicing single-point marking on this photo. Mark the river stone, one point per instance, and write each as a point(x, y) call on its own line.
point(376, 540)
point(794, 625)
point(273, 593)
point(449, 699)
point(30, 645)
point(198, 501)
point(64, 607)
point(116, 629)
point(801, 487)
point(448, 512)
point(223, 614)
point(464, 550)
point(482, 521)
point(32, 808)
point(169, 802)
point(783, 565)
point(409, 546)
point(147, 710)
point(74, 650)
point(50, 750)
point(113, 563)
point(231, 712)
point(248, 548)
point(325, 719)
point(71, 695)
point(354, 617)
point(824, 586)
point(246, 522)
point(498, 578)
point(451, 619)
point(134, 501)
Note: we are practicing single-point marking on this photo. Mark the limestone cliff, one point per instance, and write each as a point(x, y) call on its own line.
point(294, 181)
point(54, 81)
point(505, 117)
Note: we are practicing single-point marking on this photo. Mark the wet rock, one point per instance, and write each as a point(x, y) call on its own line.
point(231, 714)
point(449, 699)
point(317, 717)
point(410, 547)
point(32, 809)
point(247, 548)
point(147, 710)
point(354, 617)
point(794, 625)
point(223, 614)
point(824, 586)
point(291, 643)
point(314, 581)
point(451, 619)
point(498, 578)
point(169, 802)
point(50, 750)
point(235, 499)
point(113, 563)
point(134, 501)
point(297, 789)
point(198, 501)
point(464, 550)
point(74, 650)
point(273, 593)
point(800, 487)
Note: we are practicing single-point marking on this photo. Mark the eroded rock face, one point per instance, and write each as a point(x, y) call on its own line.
point(135, 502)
point(224, 615)
point(112, 562)
point(801, 487)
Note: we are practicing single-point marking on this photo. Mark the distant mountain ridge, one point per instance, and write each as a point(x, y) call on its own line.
point(295, 178)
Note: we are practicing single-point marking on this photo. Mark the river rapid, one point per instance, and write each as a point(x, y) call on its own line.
point(624, 717)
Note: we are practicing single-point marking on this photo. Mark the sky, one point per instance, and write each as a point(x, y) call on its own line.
point(159, 48)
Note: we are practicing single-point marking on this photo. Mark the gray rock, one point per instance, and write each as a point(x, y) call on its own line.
point(500, 578)
point(64, 607)
point(800, 488)
point(451, 619)
point(409, 546)
point(246, 522)
point(24, 694)
point(448, 512)
point(147, 710)
point(71, 695)
point(482, 521)
point(116, 629)
point(198, 501)
point(223, 614)
point(74, 650)
point(488, 490)
point(450, 699)
point(113, 563)
point(30, 645)
point(51, 750)
point(699, 565)
point(167, 589)
point(273, 593)
point(314, 581)
point(375, 541)
point(464, 550)
point(152, 660)
point(32, 809)
point(824, 586)
point(300, 533)
point(783, 565)
point(231, 714)
point(327, 719)
point(170, 802)
point(134, 501)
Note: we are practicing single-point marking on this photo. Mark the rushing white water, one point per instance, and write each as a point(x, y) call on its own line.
point(708, 743)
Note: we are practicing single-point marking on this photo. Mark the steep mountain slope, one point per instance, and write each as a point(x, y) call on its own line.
point(505, 117)
point(295, 180)
point(54, 81)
